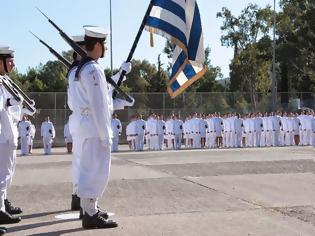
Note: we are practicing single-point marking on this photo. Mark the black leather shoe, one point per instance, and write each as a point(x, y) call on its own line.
point(11, 209)
point(75, 203)
point(103, 214)
point(6, 218)
point(3, 230)
point(97, 221)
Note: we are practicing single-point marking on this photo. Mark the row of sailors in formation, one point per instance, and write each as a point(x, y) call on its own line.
point(214, 130)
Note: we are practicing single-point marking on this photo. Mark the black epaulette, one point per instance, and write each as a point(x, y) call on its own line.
point(74, 64)
point(143, 127)
point(81, 65)
point(118, 126)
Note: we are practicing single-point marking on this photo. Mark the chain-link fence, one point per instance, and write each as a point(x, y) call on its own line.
point(54, 105)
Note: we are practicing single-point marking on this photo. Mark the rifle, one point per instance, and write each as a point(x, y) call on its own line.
point(71, 43)
point(15, 91)
point(63, 60)
point(82, 53)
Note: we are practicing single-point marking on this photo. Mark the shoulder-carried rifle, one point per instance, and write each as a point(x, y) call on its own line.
point(63, 60)
point(82, 53)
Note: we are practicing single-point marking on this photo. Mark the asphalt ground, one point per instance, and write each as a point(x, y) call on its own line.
point(230, 192)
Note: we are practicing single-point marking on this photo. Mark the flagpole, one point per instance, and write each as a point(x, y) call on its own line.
point(274, 81)
point(111, 36)
point(135, 43)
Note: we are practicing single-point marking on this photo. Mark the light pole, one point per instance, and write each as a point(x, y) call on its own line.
point(274, 80)
point(111, 36)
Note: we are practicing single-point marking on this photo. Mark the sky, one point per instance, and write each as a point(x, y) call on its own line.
point(20, 16)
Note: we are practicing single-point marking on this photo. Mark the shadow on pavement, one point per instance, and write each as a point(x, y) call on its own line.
point(60, 232)
point(43, 214)
point(38, 225)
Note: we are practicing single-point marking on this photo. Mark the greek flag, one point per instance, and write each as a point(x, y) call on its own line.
point(179, 21)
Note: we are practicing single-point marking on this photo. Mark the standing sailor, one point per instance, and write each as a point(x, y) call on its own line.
point(68, 137)
point(117, 129)
point(48, 134)
point(8, 139)
point(92, 103)
point(31, 138)
point(24, 134)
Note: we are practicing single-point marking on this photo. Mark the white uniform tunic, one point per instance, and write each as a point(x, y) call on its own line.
point(94, 108)
point(117, 129)
point(24, 128)
point(48, 134)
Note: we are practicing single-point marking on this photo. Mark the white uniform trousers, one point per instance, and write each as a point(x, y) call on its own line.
point(313, 139)
point(251, 139)
point(258, 138)
point(263, 139)
point(154, 142)
point(24, 145)
point(196, 141)
point(229, 139)
point(94, 168)
point(281, 138)
point(161, 141)
point(238, 139)
point(169, 138)
point(277, 138)
point(76, 158)
point(115, 140)
point(140, 142)
point(178, 141)
point(208, 140)
point(47, 141)
point(7, 168)
point(306, 137)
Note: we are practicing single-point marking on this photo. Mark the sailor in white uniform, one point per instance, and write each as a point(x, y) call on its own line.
point(48, 134)
point(24, 128)
point(92, 106)
point(31, 138)
point(8, 137)
point(117, 129)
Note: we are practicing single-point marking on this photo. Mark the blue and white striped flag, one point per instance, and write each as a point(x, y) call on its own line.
point(179, 21)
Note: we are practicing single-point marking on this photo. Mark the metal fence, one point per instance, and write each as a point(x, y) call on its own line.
point(55, 106)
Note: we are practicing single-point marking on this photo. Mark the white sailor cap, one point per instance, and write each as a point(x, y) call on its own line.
point(95, 32)
point(5, 50)
point(78, 38)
